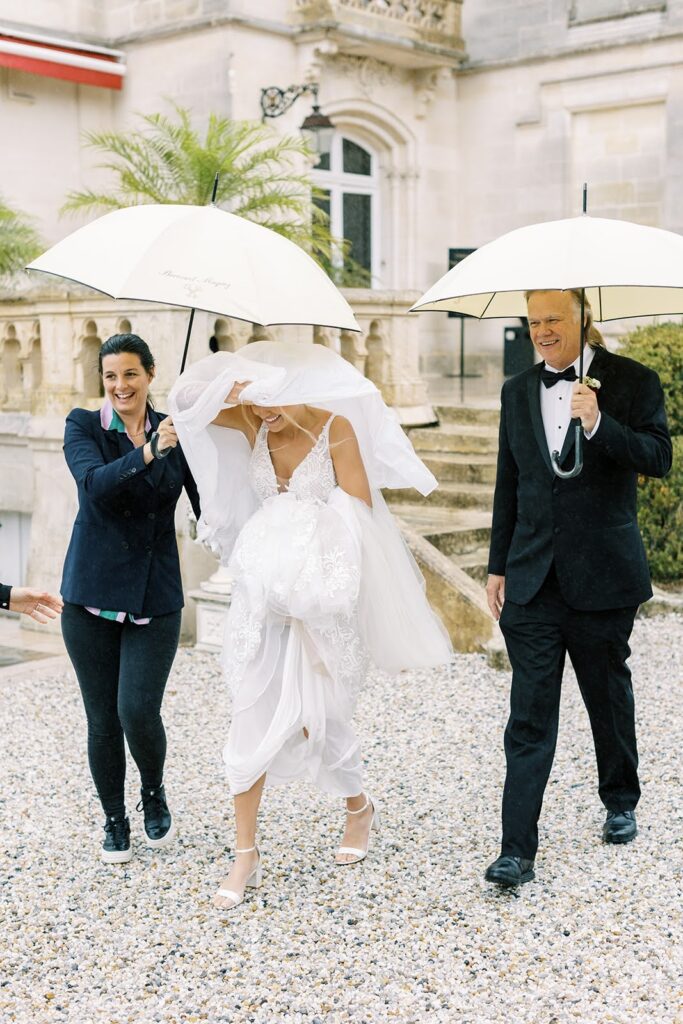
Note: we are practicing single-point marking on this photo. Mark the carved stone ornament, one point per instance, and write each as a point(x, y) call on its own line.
point(368, 72)
point(433, 17)
point(426, 86)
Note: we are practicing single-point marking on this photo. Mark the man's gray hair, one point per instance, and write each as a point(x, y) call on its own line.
point(591, 334)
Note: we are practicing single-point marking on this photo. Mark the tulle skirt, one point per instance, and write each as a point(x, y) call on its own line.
point(293, 655)
point(320, 589)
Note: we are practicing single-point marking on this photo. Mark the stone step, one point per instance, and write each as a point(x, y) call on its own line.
point(459, 601)
point(474, 563)
point(455, 437)
point(449, 494)
point(454, 466)
point(483, 416)
point(451, 530)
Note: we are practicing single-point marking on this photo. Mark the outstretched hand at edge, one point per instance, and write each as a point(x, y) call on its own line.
point(39, 605)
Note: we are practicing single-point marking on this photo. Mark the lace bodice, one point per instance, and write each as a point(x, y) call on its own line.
point(312, 480)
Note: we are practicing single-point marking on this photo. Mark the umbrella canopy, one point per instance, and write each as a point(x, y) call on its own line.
point(199, 257)
point(626, 269)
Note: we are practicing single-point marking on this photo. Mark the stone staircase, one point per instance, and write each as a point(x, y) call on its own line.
point(461, 453)
point(456, 520)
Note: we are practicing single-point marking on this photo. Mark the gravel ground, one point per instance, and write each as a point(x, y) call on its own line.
point(412, 935)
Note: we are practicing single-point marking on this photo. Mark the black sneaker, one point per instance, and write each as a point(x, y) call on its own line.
point(159, 825)
point(116, 848)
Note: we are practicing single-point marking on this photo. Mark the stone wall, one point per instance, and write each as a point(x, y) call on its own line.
point(519, 30)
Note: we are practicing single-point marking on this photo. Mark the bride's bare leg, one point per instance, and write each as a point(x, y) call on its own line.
point(246, 812)
point(357, 827)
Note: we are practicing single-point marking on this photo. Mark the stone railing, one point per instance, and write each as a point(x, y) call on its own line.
point(435, 22)
point(50, 337)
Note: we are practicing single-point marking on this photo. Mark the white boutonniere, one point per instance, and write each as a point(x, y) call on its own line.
point(592, 383)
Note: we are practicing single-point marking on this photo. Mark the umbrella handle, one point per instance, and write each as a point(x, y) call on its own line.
point(578, 457)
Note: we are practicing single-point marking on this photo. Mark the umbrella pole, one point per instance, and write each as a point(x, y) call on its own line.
point(187, 340)
point(578, 429)
point(582, 328)
point(192, 312)
point(583, 331)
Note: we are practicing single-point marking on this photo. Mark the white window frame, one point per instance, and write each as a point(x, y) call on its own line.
point(337, 182)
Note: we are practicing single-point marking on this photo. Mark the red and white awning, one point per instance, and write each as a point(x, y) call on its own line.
point(62, 58)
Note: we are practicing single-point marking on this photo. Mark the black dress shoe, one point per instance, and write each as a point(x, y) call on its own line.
point(510, 871)
point(116, 848)
point(159, 826)
point(620, 827)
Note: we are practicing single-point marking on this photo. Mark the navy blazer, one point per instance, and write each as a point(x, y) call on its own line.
point(586, 525)
point(123, 554)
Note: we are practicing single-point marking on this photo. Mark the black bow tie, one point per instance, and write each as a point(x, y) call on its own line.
point(549, 378)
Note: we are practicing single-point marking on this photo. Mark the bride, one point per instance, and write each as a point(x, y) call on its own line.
point(289, 447)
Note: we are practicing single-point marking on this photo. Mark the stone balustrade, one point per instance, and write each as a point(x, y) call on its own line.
point(50, 337)
point(419, 23)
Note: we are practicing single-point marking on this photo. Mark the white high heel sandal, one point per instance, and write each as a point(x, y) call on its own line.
point(253, 882)
point(375, 824)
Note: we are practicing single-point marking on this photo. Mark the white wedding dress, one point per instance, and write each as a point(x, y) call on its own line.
point(322, 587)
point(293, 654)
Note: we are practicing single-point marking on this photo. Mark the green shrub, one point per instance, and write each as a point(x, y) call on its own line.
point(660, 502)
point(660, 513)
point(661, 348)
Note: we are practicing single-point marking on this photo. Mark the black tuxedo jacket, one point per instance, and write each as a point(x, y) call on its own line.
point(123, 554)
point(588, 524)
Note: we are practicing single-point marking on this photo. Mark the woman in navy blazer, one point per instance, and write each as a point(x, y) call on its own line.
point(121, 586)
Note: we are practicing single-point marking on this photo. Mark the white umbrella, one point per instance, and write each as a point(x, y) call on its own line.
point(623, 269)
point(626, 269)
point(203, 258)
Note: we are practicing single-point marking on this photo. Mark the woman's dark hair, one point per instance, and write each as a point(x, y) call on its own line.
point(127, 343)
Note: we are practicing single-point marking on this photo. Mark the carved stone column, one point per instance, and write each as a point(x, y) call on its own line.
point(260, 333)
point(392, 351)
point(212, 600)
point(53, 508)
point(327, 336)
point(352, 346)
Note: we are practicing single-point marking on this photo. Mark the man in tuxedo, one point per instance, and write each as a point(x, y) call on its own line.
point(567, 566)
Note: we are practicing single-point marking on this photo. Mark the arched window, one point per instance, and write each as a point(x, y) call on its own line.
point(348, 176)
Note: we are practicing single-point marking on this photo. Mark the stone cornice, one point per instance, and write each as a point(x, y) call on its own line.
point(601, 46)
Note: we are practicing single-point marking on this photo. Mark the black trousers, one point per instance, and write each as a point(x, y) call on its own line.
point(538, 636)
point(122, 671)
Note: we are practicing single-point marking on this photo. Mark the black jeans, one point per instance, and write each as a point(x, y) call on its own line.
point(122, 671)
point(538, 635)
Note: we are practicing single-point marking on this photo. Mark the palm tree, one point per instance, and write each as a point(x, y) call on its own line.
point(166, 161)
point(19, 242)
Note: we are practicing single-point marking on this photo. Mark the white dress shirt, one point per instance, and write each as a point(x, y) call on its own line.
point(556, 405)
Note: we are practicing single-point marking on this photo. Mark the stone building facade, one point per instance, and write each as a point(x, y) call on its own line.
point(456, 120)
